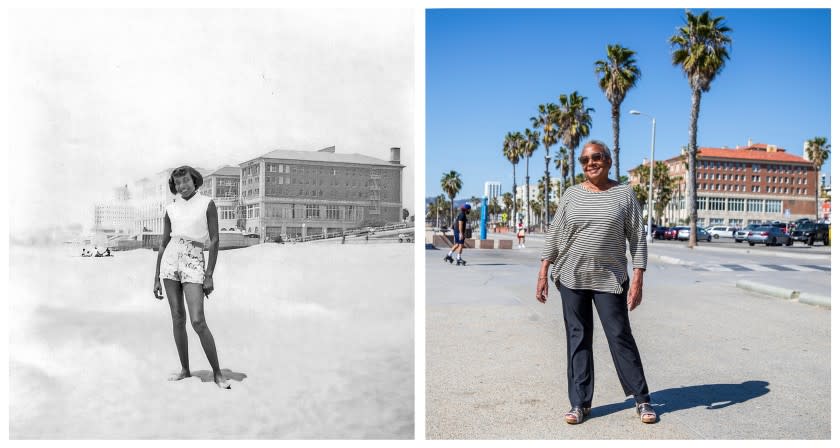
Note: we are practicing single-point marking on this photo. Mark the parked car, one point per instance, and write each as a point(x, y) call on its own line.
point(671, 233)
point(659, 232)
point(406, 237)
point(811, 232)
point(780, 225)
point(769, 235)
point(741, 235)
point(723, 231)
point(702, 234)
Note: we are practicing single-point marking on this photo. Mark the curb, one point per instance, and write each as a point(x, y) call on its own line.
point(784, 293)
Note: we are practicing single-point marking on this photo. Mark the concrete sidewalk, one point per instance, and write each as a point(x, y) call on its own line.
point(721, 364)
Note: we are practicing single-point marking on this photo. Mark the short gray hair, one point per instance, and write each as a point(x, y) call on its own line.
point(604, 147)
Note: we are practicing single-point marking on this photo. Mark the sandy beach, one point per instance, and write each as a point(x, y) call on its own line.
point(317, 341)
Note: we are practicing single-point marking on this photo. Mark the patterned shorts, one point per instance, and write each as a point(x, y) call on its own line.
point(183, 261)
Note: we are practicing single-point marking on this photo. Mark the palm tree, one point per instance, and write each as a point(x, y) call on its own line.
point(817, 152)
point(537, 207)
point(507, 201)
point(439, 205)
point(663, 187)
point(561, 164)
point(451, 184)
point(546, 120)
point(574, 124)
point(512, 149)
point(532, 141)
point(617, 74)
point(701, 50)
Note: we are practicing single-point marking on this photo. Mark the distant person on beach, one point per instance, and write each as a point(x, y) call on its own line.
point(460, 228)
point(188, 222)
point(520, 234)
point(595, 223)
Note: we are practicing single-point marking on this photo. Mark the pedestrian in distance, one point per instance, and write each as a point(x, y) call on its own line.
point(520, 235)
point(586, 243)
point(189, 222)
point(461, 231)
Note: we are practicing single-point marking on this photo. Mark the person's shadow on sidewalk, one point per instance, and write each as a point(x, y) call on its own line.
point(710, 396)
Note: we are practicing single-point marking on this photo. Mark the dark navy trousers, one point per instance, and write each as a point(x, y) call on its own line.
point(612, 310)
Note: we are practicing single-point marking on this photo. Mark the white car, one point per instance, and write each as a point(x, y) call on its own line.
point(723, 231)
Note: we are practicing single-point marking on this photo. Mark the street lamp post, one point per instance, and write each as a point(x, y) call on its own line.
point(650, 175)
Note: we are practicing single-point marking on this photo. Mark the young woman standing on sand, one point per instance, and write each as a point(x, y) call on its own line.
point(187, 224)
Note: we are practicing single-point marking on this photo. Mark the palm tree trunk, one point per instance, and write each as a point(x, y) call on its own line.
point(452, 209)
point(513, 216)
point(692, 167)
point(817, 191)
point(572, 164)
point(615, 118)
point(547, 181)
point(527, 193)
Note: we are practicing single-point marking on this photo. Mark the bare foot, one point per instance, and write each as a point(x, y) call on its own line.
point(220, 381)
point(180, 375)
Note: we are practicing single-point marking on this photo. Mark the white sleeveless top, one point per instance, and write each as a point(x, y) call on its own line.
point(189, 218)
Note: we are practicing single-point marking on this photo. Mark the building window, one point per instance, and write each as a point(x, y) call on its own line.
point(226, 212)
point(252, 211)
point(735, 222)
point(715, 221)
point(773, 206)
point(756, 167)
point(755, 205)
point(332, 212)
point(717, 203)
point(701, 203)
point(735, 204)
point(313, 211)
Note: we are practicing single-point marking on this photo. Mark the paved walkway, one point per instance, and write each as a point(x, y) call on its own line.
point(722, 363)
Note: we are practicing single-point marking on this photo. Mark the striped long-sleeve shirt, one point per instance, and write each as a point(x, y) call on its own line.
point(588, 237)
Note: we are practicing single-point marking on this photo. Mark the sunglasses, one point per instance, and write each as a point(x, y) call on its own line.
point(597, 157)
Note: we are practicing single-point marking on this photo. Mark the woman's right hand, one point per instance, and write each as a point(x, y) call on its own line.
point(158, 290)
point(542, 289)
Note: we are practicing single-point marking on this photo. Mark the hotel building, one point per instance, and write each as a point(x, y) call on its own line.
point(296, 193)
point(746, 185)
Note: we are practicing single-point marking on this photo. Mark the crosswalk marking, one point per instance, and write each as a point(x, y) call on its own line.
point(757, 267)
point(744, 267)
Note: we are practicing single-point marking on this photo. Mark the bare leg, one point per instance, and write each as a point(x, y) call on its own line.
point(195, 303)
point(175, 296)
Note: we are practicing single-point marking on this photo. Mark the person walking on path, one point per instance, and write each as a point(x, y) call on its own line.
point(520, 235)
point(188, 222)
point(586, 244)
point(460, 231)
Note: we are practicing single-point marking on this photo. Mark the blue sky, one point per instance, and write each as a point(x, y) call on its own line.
point(488, 70)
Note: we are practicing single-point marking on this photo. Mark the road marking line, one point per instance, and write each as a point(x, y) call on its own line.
point(736, 267)
point(797, 267)
point(758, 267)
point(822, 268)
point(778, 267)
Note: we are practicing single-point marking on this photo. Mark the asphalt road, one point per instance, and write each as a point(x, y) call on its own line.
point(721, 362)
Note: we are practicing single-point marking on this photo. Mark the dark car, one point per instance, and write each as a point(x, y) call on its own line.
point(670, 233)
point(659, 232)
point(811, 232)
point(769, 235)
point(741, 235)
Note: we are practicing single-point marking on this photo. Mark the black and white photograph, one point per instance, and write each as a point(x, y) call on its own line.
point(211, 231)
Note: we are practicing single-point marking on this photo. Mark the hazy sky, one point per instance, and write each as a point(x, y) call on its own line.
point(489, 70)
point(101, 98)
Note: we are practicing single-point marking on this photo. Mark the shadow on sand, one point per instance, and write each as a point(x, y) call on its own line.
point(710, 396)
point(207, 375)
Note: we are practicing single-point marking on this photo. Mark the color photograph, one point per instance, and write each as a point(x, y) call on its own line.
point(666, 170)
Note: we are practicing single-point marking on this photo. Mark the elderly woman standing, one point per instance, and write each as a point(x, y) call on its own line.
point(586, 243)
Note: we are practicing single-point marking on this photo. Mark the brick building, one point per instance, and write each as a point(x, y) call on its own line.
point(223, 186)
point(746, 185)
point(296, 193)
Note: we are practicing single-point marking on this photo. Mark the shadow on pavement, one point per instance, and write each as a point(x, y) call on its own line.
point(710, 396)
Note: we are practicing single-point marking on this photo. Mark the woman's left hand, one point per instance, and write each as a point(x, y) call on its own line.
point(634, 295)
point(208, 285)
